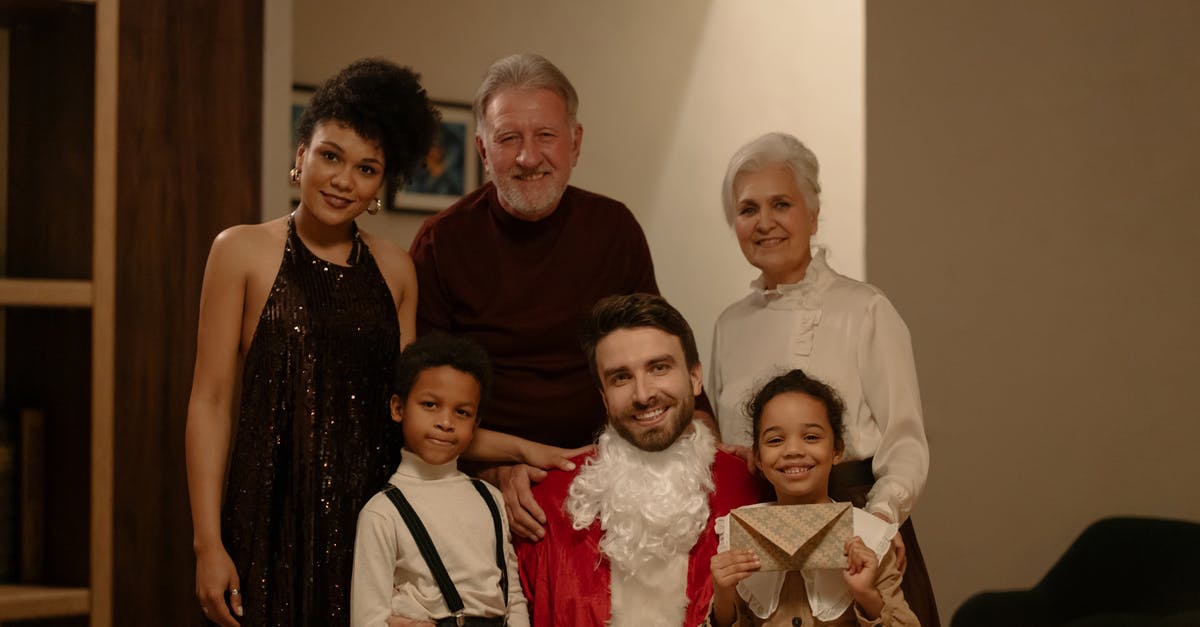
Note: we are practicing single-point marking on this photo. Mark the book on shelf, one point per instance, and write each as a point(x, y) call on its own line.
point(32, 472)
point(22, 495)
point(10, 523)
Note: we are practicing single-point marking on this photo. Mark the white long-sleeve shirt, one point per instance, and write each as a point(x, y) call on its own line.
point(390, 576)
point(847, 334)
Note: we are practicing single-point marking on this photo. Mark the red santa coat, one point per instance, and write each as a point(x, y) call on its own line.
point(566, 578)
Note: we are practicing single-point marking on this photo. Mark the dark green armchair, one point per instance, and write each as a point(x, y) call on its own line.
point(1120, 572)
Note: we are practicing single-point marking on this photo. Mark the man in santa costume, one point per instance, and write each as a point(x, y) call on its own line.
point(629, 533)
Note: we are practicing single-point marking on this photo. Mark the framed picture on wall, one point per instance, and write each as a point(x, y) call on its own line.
point(451, 168)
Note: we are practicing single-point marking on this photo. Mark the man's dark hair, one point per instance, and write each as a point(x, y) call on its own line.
point(382, 102)
point(439, 349)
point(631, 311)
point(797, 381)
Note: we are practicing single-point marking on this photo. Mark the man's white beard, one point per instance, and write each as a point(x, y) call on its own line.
point(530, 205)
point(652, 508)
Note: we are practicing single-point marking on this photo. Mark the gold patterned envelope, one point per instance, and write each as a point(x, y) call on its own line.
point(794, 537)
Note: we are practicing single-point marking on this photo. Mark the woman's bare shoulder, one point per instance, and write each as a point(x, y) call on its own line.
point(248, 234)
point(246, 244)
point(391, 258)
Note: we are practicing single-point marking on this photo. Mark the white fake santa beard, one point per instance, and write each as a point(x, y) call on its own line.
point(652, 508)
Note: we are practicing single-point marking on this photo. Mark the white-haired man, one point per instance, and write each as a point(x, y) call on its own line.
point(517, 263)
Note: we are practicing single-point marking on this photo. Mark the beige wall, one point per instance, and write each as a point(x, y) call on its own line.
point(1028, 210)
point(668, 91)
point(1032, 209)
point(277, 97)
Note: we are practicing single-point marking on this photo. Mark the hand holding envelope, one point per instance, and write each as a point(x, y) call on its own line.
point(794, 537)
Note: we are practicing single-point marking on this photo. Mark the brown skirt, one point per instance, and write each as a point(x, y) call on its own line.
point(851, 481)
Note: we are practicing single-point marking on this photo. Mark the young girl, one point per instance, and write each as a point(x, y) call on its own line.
point(797, 427)
point(433, 547)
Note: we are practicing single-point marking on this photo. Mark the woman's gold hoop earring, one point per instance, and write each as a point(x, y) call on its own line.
point(295, 176)
point(375, 207)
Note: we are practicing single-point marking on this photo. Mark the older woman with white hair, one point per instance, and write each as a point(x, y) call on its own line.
point(800, 313)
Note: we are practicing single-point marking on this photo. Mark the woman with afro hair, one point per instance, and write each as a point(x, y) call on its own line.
point(312, 311)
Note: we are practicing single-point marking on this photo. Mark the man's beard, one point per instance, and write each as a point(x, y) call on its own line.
point(652, 505)
point(529, 206)
point(662, 437)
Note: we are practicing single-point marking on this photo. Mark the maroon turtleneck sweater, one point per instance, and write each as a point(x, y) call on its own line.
point(521, 289)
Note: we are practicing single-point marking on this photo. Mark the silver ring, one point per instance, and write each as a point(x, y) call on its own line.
point(235, 592)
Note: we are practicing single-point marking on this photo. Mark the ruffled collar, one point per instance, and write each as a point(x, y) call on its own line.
point(411, 465)
point(804, 299)
point(816, 276)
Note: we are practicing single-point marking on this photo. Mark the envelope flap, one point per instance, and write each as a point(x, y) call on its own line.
point(789, 527)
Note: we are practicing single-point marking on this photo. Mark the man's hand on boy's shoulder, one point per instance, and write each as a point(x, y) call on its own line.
point(526, 518)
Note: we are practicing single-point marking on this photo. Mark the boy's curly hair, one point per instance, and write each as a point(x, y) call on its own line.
point(439, 349)
point(382, 102)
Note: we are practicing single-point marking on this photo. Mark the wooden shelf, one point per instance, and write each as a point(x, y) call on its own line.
point(45, 293)
point(61, 39)
point(21, 601)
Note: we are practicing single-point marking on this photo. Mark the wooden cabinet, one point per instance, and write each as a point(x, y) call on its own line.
point(135, 139)
point(59, 290)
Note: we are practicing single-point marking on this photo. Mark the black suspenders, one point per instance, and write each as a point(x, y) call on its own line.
point(499, 529)
point(430, 554)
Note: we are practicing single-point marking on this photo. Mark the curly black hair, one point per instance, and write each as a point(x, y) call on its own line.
point(797, 381)
point(439, 349)
point(382, 102)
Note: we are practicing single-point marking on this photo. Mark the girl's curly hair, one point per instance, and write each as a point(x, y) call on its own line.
point(798, 381)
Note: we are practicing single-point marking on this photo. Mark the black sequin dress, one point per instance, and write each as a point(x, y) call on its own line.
point(314, 439)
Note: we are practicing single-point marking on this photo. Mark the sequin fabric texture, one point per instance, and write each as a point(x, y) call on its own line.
point(314, 440)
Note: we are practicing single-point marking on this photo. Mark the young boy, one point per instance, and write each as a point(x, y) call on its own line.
point(455, 529)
